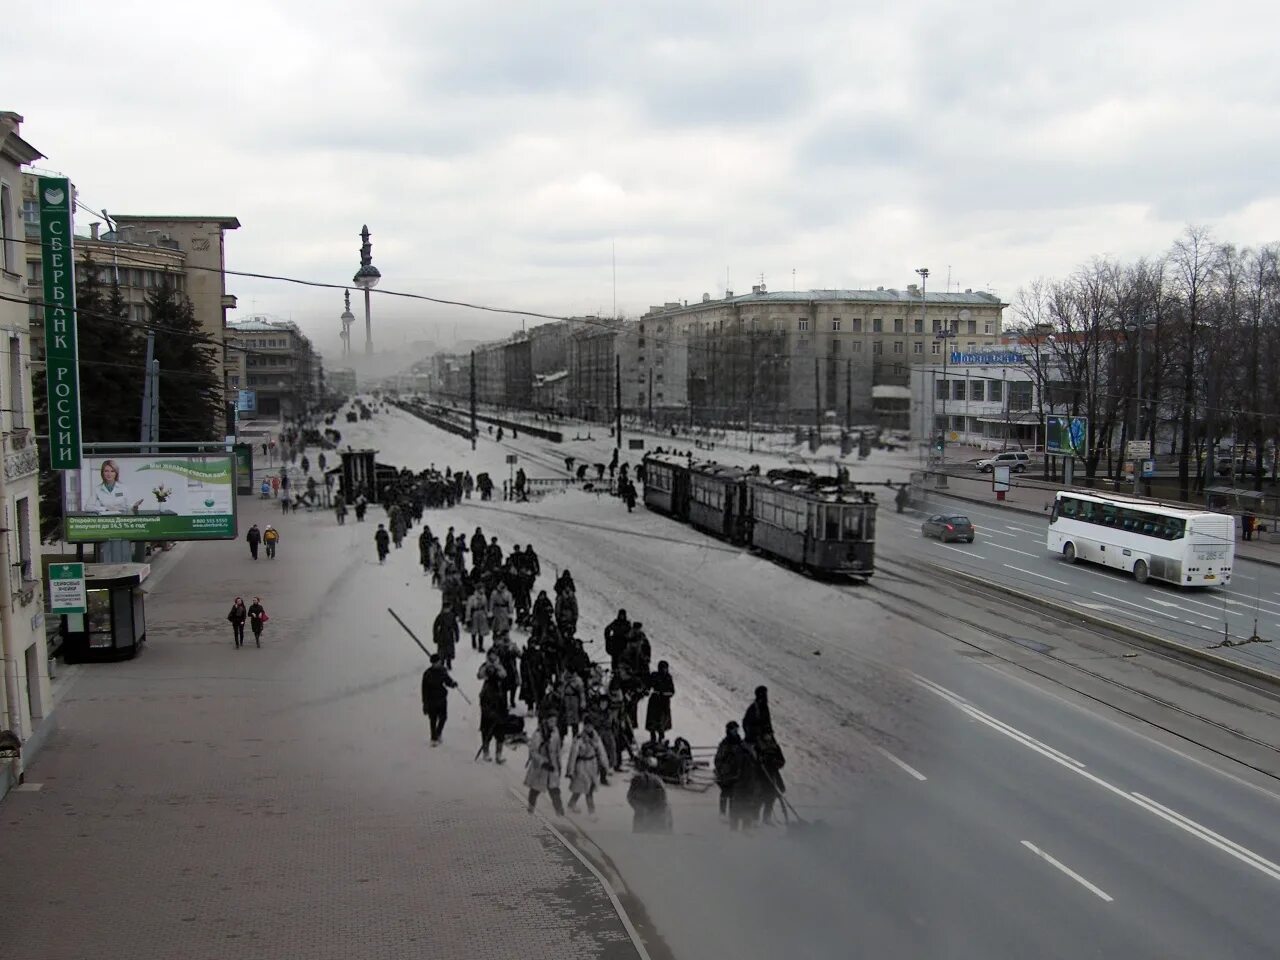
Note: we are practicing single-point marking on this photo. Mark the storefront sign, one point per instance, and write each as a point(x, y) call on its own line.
point(1001, 359)
point(66, 588)
point(62, 360)
point(156, 497)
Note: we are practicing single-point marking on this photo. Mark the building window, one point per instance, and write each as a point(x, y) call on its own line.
point(640, 343)
point(972, 327)
point(940, 390)
point(897, 325)
point(835, 325)
point(17, 409)
point(995, 390)
point(877, 325)
point(917, 346)
point(877, 347)
point(937, 325)
point(24, 537)
point(939, 422)
point(640, 400)
point(975, 390)
point(856, 346)
point(803, 323)
point(31, 211)
point(936, 348)
point(970, 346)
point(856, 324)
point(658, 378)
point(8, 258)
point(802, 344)
point(835, 346)
point(658, 395)
point(919, 325)
point(897, 346)
point(957, 389)
point(986, 327)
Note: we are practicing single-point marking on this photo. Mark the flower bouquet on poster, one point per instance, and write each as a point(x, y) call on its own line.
point(151, 497)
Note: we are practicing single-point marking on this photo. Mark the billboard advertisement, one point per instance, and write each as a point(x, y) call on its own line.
point(151, 497)
point(1067, 436)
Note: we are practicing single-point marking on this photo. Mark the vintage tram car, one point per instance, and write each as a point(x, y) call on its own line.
point(824, 525)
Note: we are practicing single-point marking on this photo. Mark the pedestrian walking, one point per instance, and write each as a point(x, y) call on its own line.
point(493, 705)
point(444, 632)
point(542, 769)
point(726, 765)
point(237, 617)
point(657, 715)
point(477, 617)
point(257, 619)
point(382, 540)
point(253, 537)
point(271, 537)
point(567, 612)
point(501, 607)
point(769, 754)
point(757, 720)
point(647, 795)
point(616, 635)
point(586, 757)
point(435, 697)
point(572, 698)
point(1247, 522)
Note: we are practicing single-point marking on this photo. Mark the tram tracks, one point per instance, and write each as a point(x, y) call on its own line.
point(933, 613)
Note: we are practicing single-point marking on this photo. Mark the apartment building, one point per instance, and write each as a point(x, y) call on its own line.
point(275, 362)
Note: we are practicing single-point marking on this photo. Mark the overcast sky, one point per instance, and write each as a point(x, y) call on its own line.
point(500, 151)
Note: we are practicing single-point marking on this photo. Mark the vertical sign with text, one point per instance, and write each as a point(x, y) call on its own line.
point(61, 354)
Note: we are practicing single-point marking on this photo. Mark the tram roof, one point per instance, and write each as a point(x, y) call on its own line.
point(819, 489)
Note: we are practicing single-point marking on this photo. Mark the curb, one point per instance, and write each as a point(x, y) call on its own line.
point(1197, 652)
point(1264, 561)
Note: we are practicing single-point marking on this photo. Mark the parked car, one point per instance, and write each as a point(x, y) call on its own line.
point(1016, 461)
point(949, 527)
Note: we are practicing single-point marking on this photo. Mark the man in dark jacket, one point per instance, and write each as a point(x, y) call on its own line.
point(727, 764)
point(435, 696)
point(254, 537)
point(757, 720)
point(616, 635)
point(382, 540)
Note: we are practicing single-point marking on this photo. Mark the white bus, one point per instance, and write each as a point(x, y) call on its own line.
point(1149, 540)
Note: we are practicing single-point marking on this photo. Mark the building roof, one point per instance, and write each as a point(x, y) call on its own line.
point(11, 143)
point(978, 298)
point(260, 325)
point(227, 223)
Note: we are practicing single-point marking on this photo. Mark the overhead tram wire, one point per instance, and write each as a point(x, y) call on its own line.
point(687, 343)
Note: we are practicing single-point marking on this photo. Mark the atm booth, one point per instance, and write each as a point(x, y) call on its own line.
point(114, 624)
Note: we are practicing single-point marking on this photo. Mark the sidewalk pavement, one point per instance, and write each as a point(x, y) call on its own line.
point(203, 801)
point(1038, 501)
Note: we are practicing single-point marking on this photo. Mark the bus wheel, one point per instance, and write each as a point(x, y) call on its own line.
point(1140, 571)
point(1069, 552)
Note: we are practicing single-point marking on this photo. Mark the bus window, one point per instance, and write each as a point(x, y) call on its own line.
point(852, 523)
point(831, 523)
point(1109, 515)
point(1174, 528)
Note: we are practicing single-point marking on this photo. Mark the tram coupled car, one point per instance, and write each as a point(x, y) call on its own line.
point(817, 523)
point(666, 484)
point(720, 501)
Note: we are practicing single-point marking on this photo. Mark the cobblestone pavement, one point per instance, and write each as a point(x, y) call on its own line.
point(207, 802)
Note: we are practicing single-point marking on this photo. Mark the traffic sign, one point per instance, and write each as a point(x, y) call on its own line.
point(511, 458)
point(1137, 450)
point(66, 588)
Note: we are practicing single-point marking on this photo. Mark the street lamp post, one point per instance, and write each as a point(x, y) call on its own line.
point(347, 318)
point(366, 279)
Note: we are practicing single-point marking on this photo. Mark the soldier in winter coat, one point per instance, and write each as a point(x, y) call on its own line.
point(542, 770)
point(478, 618)
point(493, 704)
point(586, 755)
point(571, 701)
point(726, 764)
point(500, 611)
point(435, 697)
point(542, 614)
point(657, 716)
point(567, 612)
point(444, 631)
point(616, 635)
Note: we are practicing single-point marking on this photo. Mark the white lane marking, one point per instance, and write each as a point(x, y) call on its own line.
point(1255, 860)
point(1251, 601)
point(1108, 607)
point(1096, 891)
point(1001, 546)
point(1032, 573)
point(1244, 854)
point(1014, 734)
point(1023, 530)
point(1001, 532)
point(967, 553)
point(1159, 613)
point(901, 764)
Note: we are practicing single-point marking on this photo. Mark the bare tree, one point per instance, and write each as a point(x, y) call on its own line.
point(1193, 262)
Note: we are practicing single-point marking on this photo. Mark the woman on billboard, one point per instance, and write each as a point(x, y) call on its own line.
point(110, 495)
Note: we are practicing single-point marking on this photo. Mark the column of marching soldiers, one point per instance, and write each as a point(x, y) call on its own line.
point(597, 704)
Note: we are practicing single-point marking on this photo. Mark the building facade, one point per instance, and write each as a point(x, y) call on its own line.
point(275, 361)
point(592, 359)
point(988, 399)
point(26, 703)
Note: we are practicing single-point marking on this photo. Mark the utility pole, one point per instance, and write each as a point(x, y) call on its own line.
point(848, 393)
point(817, 406)
point(473, 400)
point(651, 397)
point(617, 401)
point(1137, 417)
point(751, 394)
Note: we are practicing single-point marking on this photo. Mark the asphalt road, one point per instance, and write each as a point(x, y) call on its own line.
point(1010, 549)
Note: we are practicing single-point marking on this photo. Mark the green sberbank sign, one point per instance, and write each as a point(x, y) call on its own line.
point(61, 353)
point(151, 497)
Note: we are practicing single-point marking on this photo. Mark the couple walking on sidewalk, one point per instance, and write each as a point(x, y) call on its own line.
point(255, 613)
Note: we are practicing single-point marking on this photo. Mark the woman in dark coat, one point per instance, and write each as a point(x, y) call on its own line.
point(657, 717)
point(493, 704)
point(444, 631)
point(542, 615)
point(237, 617)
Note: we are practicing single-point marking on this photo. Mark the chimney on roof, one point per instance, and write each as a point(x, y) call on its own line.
point(880, 289)
point(728, 294)
point(706, 298)
point(93, 231)
point(968, 289)
point(756, 288)
point(913, 288)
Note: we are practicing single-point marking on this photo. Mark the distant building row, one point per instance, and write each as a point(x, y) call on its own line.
point(766, 356)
